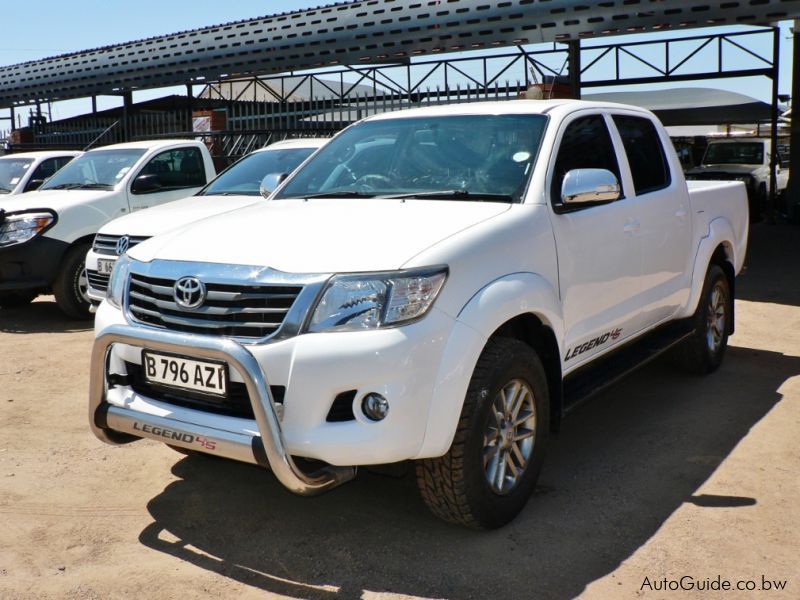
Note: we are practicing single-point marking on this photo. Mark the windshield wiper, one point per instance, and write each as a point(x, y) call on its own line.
point(4, 190)
point(454, 195)
point(339, 194)
point(95, 186)
point(65, 186)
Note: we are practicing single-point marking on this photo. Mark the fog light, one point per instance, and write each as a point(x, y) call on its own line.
point(375, 407)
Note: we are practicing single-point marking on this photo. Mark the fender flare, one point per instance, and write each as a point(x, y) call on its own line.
point(720, 233)
point(495, 304)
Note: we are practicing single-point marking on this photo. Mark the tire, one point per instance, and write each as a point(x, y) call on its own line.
point(703, 352)
point(70, 285)
point(16, 299)
point(758, 206)
point(466, 485)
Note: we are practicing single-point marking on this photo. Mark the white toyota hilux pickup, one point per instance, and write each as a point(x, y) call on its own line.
point(44, 235)
point(439, 285)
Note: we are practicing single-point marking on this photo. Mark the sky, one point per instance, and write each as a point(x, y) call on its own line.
point(63, 27)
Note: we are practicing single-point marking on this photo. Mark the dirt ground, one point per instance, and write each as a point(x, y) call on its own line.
point(664, 476)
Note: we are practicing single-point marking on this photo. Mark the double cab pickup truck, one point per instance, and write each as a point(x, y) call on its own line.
point(438, 285)
point(45, 235)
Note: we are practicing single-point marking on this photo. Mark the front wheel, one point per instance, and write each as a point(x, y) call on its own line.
point(703, 352)
point(491, 469)
point(71, 285)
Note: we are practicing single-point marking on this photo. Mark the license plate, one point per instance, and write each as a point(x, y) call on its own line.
point(185, 373)
point(105, 266)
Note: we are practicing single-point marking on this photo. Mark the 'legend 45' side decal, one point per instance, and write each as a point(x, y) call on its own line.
point(593, 343)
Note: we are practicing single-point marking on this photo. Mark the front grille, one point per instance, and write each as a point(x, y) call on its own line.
point(236, 404)
point(251, 311)
point(97, 281)
point(107, 244)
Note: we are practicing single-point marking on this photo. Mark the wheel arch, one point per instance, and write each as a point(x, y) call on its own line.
point(529, 329)
point(520, 305)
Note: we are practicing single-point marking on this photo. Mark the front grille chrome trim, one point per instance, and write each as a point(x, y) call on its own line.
point(240, 286)
point(107, 244)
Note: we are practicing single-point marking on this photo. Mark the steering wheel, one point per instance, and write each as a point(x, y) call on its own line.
point(372, 182)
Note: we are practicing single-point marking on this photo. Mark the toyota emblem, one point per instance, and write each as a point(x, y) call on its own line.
point(189, 292)
point(123, 244)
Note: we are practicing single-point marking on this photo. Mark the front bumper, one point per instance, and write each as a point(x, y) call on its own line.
point(402, 364)
point(119, 425)
point(32, 265)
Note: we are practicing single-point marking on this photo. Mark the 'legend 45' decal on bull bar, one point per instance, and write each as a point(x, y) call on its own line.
point(593, 343)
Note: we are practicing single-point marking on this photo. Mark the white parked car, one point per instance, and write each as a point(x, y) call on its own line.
point(237, 186)
point(27, 171)
point(445, 296)
point(44, 235)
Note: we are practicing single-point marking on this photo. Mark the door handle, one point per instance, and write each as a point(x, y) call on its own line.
point(681, 213)
point(631, 226)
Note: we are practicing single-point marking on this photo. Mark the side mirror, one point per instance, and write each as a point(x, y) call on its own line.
point(581, 186)
point(144, 184)
point(271, 182)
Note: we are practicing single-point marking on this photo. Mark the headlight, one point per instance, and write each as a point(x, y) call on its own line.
point(21, 227)
point(359, 302)
point(116, 284)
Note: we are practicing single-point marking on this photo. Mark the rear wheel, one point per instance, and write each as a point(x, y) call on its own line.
point(71, 285)
point(703, 351)
point(491, 469)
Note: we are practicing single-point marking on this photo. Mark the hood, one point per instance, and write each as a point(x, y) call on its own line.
point(168, 216)
point(738, 169)
point(320, 236)
point(54, 199)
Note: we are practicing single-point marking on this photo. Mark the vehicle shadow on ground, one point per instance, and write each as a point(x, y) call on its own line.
point(772, 270)
point(42, 316)
point(622, 465)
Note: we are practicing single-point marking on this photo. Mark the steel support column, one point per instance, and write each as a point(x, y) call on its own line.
point(773, 161)
point(127, 110)
point(793, 191)
point(574, 58)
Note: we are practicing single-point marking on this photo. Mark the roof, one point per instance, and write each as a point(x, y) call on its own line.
point(42, 154)
point(693, 106)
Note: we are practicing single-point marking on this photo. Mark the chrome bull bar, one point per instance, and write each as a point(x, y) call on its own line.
point(115, 425)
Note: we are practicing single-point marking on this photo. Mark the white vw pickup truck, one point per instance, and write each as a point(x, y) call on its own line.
point(44, 235)
point(439, 285)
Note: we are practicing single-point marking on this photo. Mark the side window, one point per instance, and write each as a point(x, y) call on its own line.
point(645, 153)
point(179, 168)
point(47, 169)
point(586, 144)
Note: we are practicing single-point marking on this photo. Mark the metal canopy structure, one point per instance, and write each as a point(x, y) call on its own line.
point(353, 33)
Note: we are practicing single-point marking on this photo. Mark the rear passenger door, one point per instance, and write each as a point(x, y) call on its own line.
point(664, 214)
point(171, 175)
point(598, 244)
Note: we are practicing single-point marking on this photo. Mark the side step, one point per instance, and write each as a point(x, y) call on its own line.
point(593, 378)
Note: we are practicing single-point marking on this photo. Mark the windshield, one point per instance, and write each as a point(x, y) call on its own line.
point(737, 153)
point(244, 177)
point(11, 172)
point(464, 157)
point(100, 169)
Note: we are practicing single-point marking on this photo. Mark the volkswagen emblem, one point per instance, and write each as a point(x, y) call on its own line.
point(123, 244)
point(189, 292)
